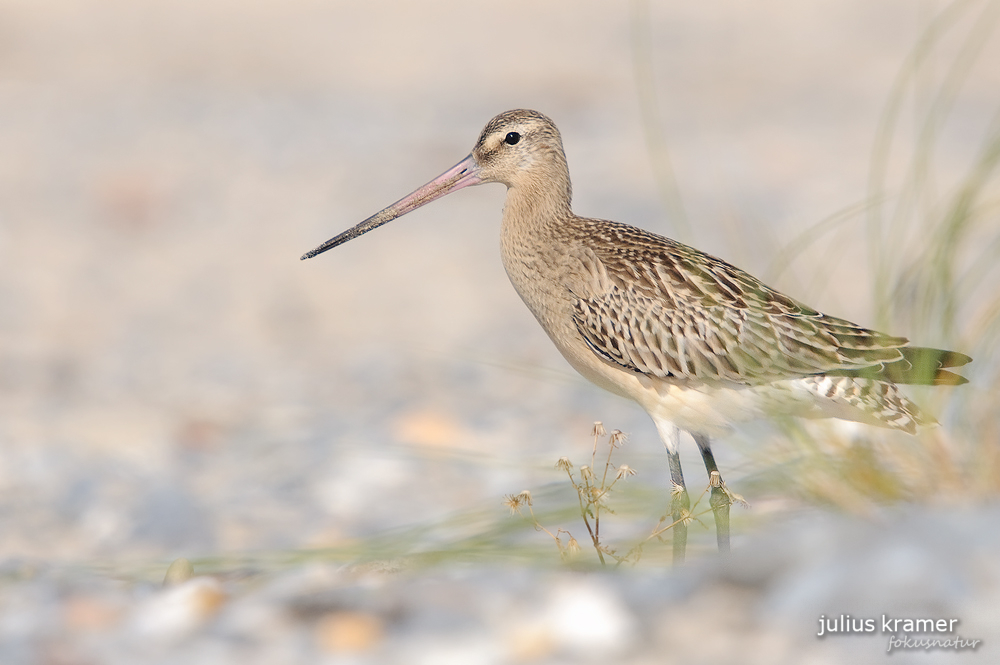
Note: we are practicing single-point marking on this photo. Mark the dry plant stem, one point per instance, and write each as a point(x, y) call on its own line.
point(517, 501)
point(592, 494)
point(682, 521)
point(885, 254)
point(607, 464)
point(599, 431)
point(583, 512)
point(538, 526)
point(636, 552)
point(616, 439)
point(604, 491)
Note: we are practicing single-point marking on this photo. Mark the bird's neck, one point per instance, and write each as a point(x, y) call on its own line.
point(532, 246)
point(537, 206)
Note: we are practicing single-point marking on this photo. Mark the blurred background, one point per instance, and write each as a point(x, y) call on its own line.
point(175, 382)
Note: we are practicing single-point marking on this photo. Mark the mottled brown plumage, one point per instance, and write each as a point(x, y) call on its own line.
point(697, 342)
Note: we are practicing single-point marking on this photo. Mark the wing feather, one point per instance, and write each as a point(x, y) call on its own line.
point(664, 309)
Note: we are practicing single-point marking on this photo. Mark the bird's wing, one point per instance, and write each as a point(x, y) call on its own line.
point(658, 307)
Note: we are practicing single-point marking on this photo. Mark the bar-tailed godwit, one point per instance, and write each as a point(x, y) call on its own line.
point(696, 342)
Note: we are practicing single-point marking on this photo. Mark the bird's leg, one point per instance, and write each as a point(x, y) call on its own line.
point(680, 503)
point(720, 499)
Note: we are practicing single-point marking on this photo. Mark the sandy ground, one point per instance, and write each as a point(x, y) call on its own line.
point(175, 382)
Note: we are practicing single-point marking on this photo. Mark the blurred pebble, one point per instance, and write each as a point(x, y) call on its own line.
point(585, 616)
point(179, 610)
point(180, 570)
point(85, 613)
point(339, 632)
point(426, 428)
point(530, 642)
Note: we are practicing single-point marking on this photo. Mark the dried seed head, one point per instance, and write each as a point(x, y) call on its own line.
point(624, 471)
point(735, 498)
point(525, 498)
point(599, 428)
point(618, 438)
point(573, 547)
point(586, 473)
point(564, 464)
point(514, 502)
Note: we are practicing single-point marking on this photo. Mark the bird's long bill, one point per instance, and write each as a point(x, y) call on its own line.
point(463, 174)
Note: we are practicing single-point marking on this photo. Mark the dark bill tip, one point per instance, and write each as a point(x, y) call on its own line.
point(463, 174)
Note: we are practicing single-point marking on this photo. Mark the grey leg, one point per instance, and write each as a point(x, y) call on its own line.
point(720, 498)
point(680, 502)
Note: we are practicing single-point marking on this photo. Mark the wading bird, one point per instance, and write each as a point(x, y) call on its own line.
point(696, 342)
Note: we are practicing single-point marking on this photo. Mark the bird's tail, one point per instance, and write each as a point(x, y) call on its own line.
point(918, 366)
point(868, 401)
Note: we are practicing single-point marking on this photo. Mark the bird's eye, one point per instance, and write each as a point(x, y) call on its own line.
point(512, 138)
